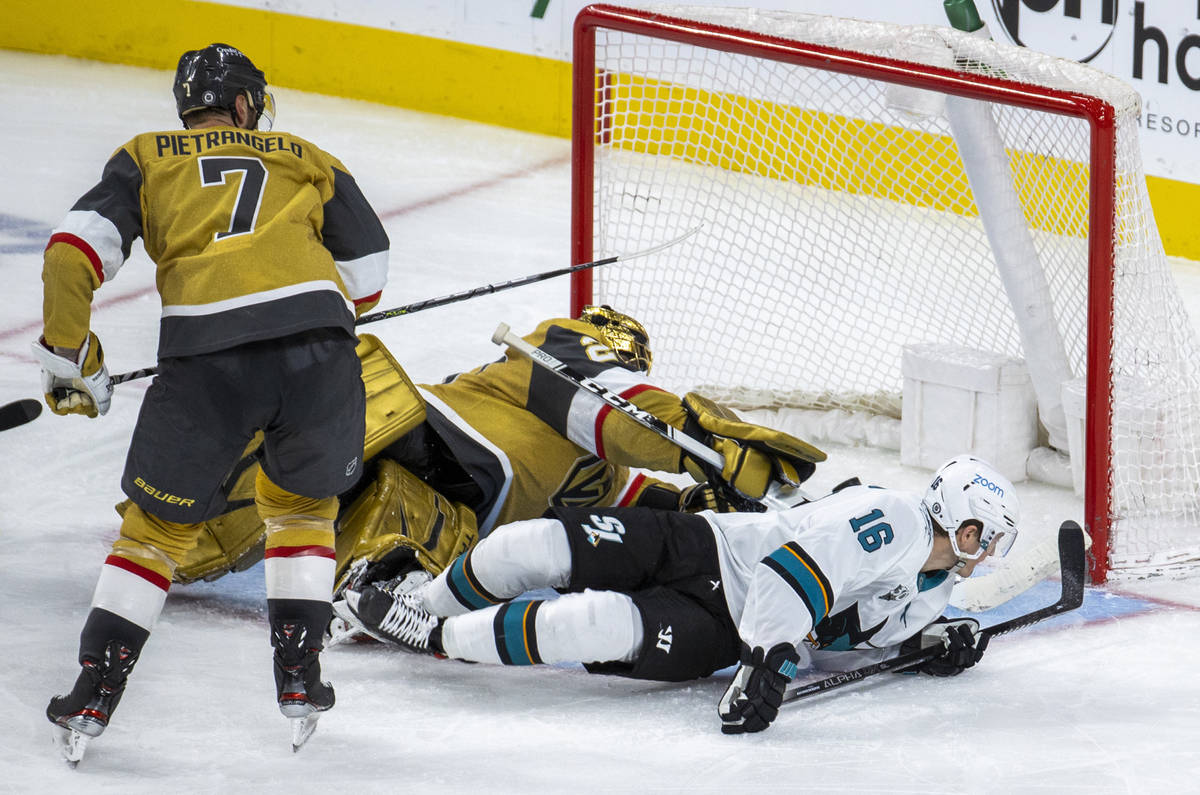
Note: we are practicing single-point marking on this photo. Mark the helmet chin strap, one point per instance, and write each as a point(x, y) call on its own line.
point(961, 558)
point(251, 110)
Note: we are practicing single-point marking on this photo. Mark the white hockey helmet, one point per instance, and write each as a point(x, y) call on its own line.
point(966, 488)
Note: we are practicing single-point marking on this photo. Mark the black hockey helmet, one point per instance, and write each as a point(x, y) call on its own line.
point(213, 78)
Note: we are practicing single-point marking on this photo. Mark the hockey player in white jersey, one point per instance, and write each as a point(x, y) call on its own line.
point(670, 596)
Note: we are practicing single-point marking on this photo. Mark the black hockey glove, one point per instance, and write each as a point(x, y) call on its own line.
point(753, 698)
point(964, 646)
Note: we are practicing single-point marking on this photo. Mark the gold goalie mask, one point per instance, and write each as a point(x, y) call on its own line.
point(624, 335)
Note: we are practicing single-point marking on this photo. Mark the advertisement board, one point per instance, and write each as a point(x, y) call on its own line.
point(1155, 46)
point(508, 61)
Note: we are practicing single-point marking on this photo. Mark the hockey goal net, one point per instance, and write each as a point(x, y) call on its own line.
point(864, 186)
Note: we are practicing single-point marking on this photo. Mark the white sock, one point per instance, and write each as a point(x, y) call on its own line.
point(593, 626)
point(515, 558)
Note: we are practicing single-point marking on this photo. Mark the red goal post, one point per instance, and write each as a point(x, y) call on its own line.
point(757, 123)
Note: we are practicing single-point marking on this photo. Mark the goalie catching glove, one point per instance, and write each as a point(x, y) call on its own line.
point(75, 386)
point(755, 456)
point(964, 646)
point(753, 698)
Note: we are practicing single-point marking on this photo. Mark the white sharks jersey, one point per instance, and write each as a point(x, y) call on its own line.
point(840, 573)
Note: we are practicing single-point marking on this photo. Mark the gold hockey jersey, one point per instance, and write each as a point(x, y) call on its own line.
point(530, 440)
point(255, 235)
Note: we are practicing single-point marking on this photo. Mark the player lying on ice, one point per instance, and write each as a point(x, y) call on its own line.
point(674, 596)
point(448, 462)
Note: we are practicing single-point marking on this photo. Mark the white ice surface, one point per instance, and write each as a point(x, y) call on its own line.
point(1096, 704)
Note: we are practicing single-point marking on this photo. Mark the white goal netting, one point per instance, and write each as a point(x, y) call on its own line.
point(845, 215)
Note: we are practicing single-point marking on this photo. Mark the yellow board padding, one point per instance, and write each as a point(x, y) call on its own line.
point(809, 147)
point(791, 144)
point(493, 86)
point(1175, 204)
point(488, 85)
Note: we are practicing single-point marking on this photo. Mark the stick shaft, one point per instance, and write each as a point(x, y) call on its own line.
point(1072, 563)
point(475, 292)
point(505, 336)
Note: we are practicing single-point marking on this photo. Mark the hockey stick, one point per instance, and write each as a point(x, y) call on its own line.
point(1016, 574)
point(505, 336)
point(19, 412)
point(1072, 566)
point(487, 289)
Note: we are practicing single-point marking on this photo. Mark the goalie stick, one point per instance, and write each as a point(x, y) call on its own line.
point(505, 336)
point(1072, 565)
point(475, 292)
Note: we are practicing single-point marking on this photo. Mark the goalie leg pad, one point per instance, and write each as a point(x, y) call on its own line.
point(230, 542)
point(400, 510)
point(394, 407)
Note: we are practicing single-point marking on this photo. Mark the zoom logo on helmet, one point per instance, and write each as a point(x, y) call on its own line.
point(1075, 29)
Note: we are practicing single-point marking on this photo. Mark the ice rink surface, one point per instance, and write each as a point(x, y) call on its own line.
point(1104, 700)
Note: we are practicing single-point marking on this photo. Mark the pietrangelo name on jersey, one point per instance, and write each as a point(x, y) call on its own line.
point(192, 143)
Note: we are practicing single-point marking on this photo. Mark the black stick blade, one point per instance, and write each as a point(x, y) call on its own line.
point(1072, 556)
point(19, 412)
point(1072, 567)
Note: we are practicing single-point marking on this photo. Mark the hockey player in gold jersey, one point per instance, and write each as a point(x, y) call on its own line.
point(448, 462)
point(265, 251)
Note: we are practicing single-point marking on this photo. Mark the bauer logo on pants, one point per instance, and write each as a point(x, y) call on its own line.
point(162, 496)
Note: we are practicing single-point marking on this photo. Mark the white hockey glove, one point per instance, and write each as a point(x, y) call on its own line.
point(752, 700)
point(960, 638)
point(79, 386)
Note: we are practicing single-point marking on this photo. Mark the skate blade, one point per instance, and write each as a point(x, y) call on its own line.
point(71, 744)
point(344, 626)
point(302, 729)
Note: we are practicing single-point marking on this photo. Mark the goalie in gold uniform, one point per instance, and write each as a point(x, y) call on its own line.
point(507, 441)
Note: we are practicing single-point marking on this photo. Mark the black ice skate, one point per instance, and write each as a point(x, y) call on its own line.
point(301, 693)
point(393, 612)
point(83, 714)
